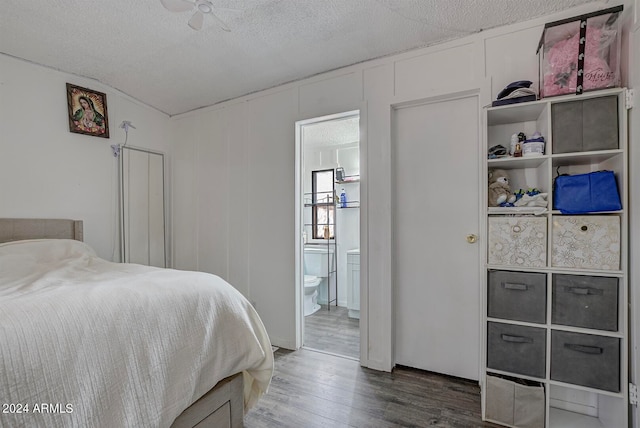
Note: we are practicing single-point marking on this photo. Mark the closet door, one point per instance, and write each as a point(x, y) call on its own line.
point(436, 268)
point(142, 202)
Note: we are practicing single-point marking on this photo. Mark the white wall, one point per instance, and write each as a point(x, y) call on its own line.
point(45, 170)
point(259, 130)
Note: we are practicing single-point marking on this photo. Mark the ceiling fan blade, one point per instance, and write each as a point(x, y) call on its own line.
point(177, 5)
point(220, 22)
point(196, 20)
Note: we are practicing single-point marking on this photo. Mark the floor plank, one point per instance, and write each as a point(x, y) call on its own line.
point(333, 331)
point(314, 389)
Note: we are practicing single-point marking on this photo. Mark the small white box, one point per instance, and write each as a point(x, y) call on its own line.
point(586, 242)
point(518, 241)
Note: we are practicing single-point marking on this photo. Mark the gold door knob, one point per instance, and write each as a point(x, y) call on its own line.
point(472, 239)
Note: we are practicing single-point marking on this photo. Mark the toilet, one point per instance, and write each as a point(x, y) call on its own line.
point(316, 264)
point(311, 305)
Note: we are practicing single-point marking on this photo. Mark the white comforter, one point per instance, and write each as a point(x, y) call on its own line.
point(89, 343)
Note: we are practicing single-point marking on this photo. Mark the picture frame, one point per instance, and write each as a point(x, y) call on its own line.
point(87, 111)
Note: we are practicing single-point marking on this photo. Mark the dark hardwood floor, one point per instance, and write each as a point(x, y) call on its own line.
point(312, 389)
point(333, 331)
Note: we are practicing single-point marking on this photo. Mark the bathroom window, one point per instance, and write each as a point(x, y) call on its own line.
point(323, 203)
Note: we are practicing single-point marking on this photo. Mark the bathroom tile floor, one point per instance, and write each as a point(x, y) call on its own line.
point(332, 331)
point(317, 390)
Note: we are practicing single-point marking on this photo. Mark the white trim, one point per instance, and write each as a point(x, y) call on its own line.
point(364, 238)
point(298, 216)
point(633, 195)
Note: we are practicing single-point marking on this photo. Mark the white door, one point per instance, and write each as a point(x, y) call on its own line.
point(436, 206)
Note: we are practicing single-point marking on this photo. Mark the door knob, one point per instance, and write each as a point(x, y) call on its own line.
point(472, 239)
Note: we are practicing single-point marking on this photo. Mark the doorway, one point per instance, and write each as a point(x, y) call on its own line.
point(328, 228)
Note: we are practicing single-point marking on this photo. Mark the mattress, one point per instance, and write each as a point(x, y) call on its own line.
point(87, 342)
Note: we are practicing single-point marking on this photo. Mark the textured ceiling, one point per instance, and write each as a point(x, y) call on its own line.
point(332, 133)
point(149, 53)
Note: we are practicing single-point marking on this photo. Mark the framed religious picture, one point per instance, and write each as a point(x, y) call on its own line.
point(87, 111)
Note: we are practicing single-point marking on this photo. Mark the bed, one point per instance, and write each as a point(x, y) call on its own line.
point(87, 342)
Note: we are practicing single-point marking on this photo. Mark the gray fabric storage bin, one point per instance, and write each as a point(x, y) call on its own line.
point(586, 359)
point(585, 125)
point(516, 349)
point(514, 403)
point(585, 301)
point(520, 296)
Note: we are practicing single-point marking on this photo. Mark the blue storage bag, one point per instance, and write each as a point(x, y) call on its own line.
point(586, 193)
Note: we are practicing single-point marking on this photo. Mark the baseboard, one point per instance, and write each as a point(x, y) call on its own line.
point(375, 365)
point(283, 343)
point(573, 400)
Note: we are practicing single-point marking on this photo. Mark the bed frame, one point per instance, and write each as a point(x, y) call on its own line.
point(222, 406)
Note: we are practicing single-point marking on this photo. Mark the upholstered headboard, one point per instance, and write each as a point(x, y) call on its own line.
point(16, 229)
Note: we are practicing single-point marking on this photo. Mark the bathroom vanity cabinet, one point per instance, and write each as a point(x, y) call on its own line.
point(555, 320)
point(353, 283)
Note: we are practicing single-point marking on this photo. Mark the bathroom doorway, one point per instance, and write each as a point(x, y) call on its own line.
point(328, 231)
